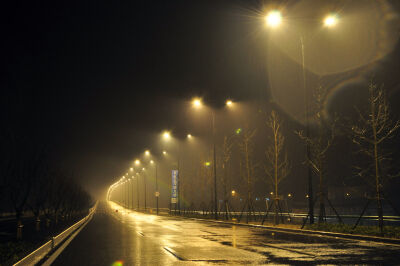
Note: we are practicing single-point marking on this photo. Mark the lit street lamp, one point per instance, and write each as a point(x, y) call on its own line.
point(273, 20)
point(197, 103)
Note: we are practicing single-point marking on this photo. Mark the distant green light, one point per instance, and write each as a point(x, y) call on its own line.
point(238, 131)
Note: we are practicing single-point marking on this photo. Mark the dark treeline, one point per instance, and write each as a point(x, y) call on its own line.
point(31, 179)
point(31, 184)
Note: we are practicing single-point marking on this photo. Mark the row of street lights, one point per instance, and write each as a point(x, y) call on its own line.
point(166, 135)
point(273, 20)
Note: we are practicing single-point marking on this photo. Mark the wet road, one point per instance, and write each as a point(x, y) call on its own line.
point(140, 239)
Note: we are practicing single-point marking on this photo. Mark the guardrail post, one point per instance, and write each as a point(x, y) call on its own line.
point(52, 242)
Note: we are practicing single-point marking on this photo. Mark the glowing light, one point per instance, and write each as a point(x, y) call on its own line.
point(189, 136)
point(164, 152)
point(289, 195)
point(197, 102)
point(233, 193)
point(147, 152)
point(229, 103)
point(143, 169)
point(166, 135)
point(238, 131)
point(131, 169)
point(151, 161)
point(330, 21)
point(137, 162)
point(207, 163)
point(274, 18)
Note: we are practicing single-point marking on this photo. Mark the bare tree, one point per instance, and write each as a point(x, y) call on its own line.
point(23, 171)
point(320, 142)
point(373, 129)
point(277, 165)
point(225, 159)
point(248, 166)
point(38, 195)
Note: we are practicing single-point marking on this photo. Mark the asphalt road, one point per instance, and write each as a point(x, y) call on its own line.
point(141, 239)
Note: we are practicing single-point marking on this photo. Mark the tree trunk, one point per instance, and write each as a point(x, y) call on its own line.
point(19, 225)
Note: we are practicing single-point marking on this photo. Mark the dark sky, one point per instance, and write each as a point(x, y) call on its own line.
point(92, 79)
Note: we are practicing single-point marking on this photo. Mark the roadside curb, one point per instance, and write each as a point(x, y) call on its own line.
point(384, 240)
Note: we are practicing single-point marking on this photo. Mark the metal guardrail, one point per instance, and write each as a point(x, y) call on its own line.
point(37, 255)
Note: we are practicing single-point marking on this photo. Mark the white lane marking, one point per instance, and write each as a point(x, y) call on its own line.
point(173, 253)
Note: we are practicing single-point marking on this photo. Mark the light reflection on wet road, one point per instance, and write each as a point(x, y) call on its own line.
point(140, 239)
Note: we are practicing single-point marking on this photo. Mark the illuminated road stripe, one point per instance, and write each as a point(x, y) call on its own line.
point(173, 252)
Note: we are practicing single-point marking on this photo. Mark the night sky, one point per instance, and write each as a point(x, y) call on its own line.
point(94, 81)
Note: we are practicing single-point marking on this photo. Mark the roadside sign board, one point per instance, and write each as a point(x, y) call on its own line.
point(174, 186)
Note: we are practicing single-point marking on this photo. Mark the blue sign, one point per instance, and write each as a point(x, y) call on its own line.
point(174, 186)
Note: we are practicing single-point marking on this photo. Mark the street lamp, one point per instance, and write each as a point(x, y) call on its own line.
point(157, 193)
point(273, 20)
point(145, 194)
point(166, 135)
point(330, 21)
point(197, 103)
point(137, 189)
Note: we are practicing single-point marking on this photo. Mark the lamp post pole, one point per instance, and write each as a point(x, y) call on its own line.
point(215, 167)
point(308, 150)
point(137, 191)
point(132, 203)
point(157, 193)
point(125, 192)
point(144, 179)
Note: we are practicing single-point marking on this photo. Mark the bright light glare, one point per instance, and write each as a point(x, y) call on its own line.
point(330, 21)
point(189, 136)
point(143, 169)
point(147, 152)
point(164, 152)
point(151, 161)
point(274, 18)
point(197, 102)
point(137, 162)
point(166, 135)
point(229, 103)
point(131, 169)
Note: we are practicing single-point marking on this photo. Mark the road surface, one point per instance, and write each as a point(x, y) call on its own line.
point(122, 238)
